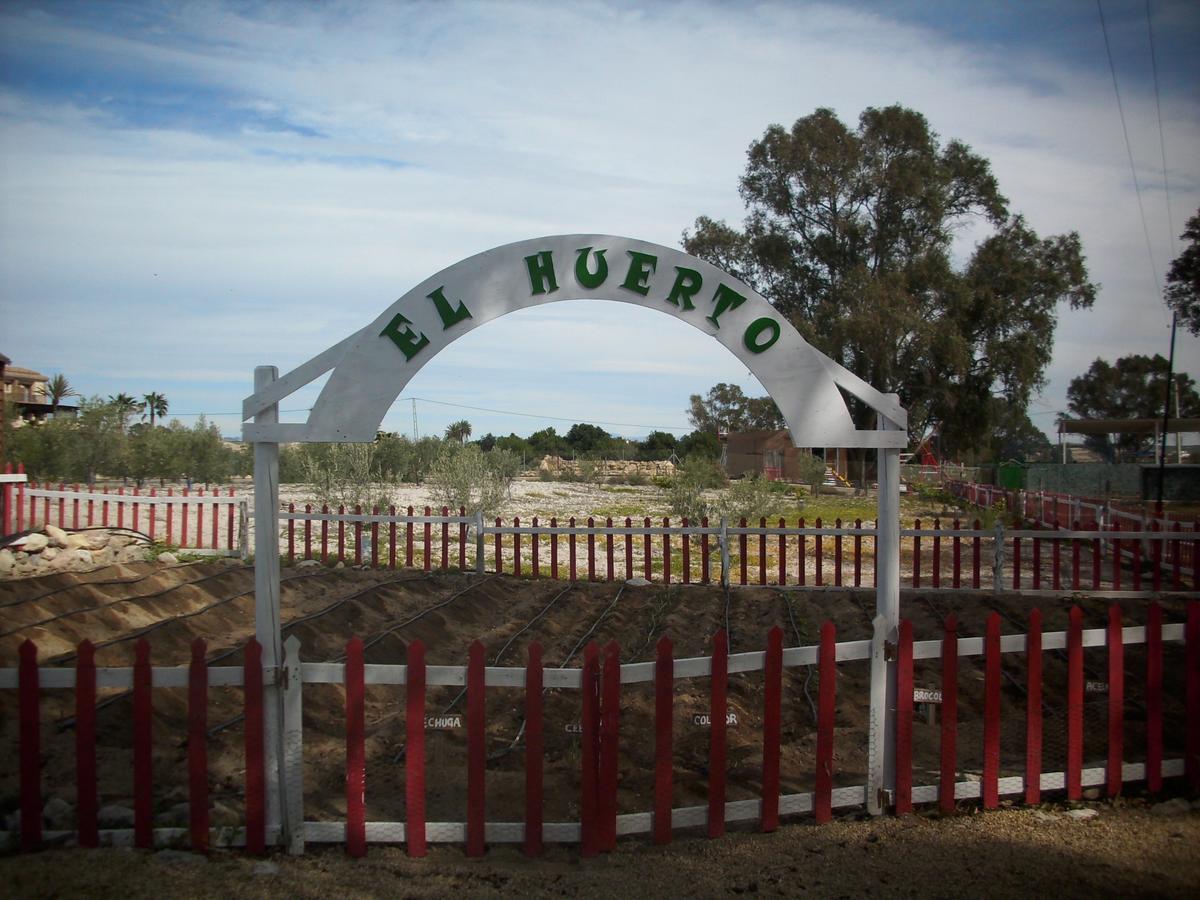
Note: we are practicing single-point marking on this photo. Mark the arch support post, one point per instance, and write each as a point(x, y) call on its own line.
point(881, 751)
point(266, 605)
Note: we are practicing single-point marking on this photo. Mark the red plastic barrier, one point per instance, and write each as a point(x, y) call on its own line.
point(198, 747)
point(610, 710)
point(446, 539)
point(476, 750)
point(628, 549)
point(762, 551)
point(86, 793)
point(1033, 709)
point(818, 551)
point(991, 713)
point(705, 572)
point(949, 748)
point(666, 552)
point(29, 701)
point(717, 709)
point(826, 697)
point(356, 782)
point(427, 543)
point(535, 752)
point(1154, 699)
point(904, 718)
point(1075, 704)
point(772, 702)
point(414, 750)
point(143, 767)
point(517, 546)
point(591, 549)
point(554, 550)
point(664, 695)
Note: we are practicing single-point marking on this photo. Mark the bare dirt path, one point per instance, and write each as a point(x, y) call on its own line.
point(1123, 851)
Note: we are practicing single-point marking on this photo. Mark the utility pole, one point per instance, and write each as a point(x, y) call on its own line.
point(1162, 455)
point(414, 405)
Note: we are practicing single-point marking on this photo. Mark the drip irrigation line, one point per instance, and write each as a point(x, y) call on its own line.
point(571, 655)
point(141, 632)
point(799, 640)
point(500, 653)
point(139, 597)
point(79, 584)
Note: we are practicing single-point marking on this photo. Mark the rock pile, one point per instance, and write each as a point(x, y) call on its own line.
point(55, 550)
point(609, 469)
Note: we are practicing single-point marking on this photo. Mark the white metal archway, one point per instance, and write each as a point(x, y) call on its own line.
point(371, 367)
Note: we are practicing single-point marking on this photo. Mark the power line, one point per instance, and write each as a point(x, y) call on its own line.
point(1128, 146)
point(1162, 141)
point(509, 412)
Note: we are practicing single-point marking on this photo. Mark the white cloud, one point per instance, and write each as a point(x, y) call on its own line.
point(212, 250)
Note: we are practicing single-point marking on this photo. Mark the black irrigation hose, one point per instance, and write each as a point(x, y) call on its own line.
point(500, 653)
point(583, 640)
point(79, 584)
point(139, 597)
point(799, 639)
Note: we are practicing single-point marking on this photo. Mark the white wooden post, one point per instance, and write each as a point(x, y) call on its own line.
point(293, 745)
point(266, 598)
point(881, 747)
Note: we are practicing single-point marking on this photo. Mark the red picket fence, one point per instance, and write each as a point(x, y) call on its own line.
point(601, 681)
point(191, 519)
point(816, 556)
point(1058, 511)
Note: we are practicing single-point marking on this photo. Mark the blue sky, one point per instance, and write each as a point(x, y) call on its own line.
point(193, 189)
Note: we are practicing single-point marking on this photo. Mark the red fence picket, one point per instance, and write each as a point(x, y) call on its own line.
point(143, 767)
point(356, 785)
point(29, 717)
point(1074, 704)
point(772, 702)
point(414, 750)
point(664, 687)
point(87, 798)
point(717, 709)
point(826, 697)
point(904, 718)
point(589, 728)
point(476, 750)
point(198, 747)
point(535, 752)
point(1116, 701)
point(1192, 739)
point(610, 710)
point(1154, 698)
point(256, 783)
point(991, 713)
point(1033, 709)
point(948, 769)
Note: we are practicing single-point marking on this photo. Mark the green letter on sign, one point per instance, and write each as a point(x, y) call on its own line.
point(641, 267)
point(586, 278)
point(541, 273)
point(409, 342)
point(725, 298)
point(757, 327)
point(450, 316)
point(687, 283)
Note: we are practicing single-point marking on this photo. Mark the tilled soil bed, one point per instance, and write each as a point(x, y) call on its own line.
point(446, 611)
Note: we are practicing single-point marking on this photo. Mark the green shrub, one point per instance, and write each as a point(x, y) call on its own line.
point(467, 477)
point(753, 497)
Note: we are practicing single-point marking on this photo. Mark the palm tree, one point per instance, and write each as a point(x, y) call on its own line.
point(459, 431)
point(156, 405)
point(127, 406)
point(59, 389)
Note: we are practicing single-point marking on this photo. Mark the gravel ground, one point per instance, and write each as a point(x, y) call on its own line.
point(1123, 850)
